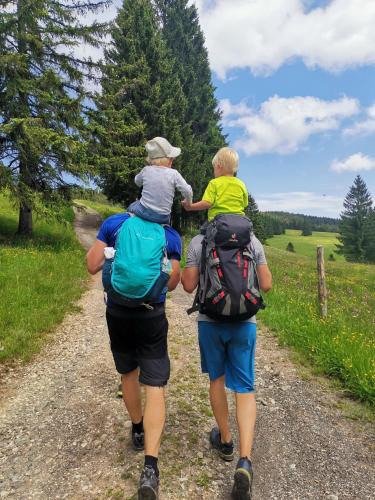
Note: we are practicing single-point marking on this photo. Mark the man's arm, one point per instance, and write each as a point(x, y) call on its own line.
point(264, 277)
point(95, 257)
point(175, 276)
point(190, 279)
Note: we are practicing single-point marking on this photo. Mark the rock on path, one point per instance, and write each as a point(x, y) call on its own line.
point(64, 435)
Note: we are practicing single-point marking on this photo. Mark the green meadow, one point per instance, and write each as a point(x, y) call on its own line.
point(343, 344)
point(40, 280)
point(306, 245)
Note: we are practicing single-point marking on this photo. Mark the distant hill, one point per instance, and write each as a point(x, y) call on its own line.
point(297, 221)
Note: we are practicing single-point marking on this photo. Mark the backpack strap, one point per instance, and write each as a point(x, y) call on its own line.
point(195, 306)
point(202, 283)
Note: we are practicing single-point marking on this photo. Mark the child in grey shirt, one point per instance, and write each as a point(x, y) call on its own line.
point(159, 182)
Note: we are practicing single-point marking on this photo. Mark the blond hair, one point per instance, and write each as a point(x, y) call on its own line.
point(159, 162)
point(228, 159)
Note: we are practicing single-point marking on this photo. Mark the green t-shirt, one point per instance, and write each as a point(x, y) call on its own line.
point(227, 195)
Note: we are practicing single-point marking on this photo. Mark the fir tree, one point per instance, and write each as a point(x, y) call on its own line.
point(353, 226)
point(41, 94)
point(203, 134)
point(138, 82)
point(252, 211)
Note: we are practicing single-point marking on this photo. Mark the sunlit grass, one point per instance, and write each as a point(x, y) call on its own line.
point(306, 245)
point(40, 280)
point(343, 345)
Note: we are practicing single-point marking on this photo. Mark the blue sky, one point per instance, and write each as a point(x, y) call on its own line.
point(295, 80)
point(307, 169)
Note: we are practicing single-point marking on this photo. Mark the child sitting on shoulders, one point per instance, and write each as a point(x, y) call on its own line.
point(159, 182)
point(226, 194)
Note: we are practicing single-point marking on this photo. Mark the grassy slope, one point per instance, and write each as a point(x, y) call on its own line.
point(41, 279)
point(343, 345)
point(306, 245)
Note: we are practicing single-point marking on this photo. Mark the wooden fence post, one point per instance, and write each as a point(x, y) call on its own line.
point(322, 289)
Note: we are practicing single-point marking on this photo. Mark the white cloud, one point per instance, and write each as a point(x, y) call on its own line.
point(283, 125)
point(302, 202)
point(354, 163)
point(364, 127)
point(264, 35)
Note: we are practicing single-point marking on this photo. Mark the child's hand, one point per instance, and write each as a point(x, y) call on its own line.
point(186, 204)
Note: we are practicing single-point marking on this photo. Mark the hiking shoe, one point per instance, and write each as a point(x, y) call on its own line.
point(138, 440)
point(148, 484)
point(225, 450)
point(243, 479)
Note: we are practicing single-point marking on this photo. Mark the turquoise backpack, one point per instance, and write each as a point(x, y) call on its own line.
point(138, 273)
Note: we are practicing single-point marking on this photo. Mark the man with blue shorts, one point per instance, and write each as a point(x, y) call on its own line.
point(138, 338)
point(227, 355)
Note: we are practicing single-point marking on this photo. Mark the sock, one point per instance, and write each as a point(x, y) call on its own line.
point(152, 462)
point(245, 458)
point(138, 428)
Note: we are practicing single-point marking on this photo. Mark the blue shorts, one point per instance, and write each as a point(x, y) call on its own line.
point(147, 214)
point(229, 349)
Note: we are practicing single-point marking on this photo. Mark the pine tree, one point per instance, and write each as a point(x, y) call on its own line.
point(354, 236)
point(138, 82)
point(252, 211)
point(41, 97)
point(203, 134)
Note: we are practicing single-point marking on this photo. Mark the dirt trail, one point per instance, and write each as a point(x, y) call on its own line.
point(64, 435)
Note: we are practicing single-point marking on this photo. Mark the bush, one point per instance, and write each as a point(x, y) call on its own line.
point(331, 257)
point(290, 247)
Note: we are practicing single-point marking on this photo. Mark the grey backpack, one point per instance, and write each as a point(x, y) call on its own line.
point(228, 284)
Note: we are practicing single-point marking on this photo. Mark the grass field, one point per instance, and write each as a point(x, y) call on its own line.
point(306, 245)
point(343, 345)
point(104, 209)
point(41, 279)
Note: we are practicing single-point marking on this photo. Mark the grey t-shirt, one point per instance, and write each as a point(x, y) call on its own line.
point(159, 185)
point(194, 254)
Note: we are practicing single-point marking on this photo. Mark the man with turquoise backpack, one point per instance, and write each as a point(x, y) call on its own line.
point(142, 264)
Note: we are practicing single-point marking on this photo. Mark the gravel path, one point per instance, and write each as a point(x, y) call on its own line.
point(63, 434)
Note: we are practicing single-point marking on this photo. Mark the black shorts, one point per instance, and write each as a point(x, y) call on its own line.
point(140, 340)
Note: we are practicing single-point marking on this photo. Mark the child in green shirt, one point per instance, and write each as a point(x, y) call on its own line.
point(225, 194)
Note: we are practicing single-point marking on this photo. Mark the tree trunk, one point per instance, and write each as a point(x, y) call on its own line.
point(25, 220)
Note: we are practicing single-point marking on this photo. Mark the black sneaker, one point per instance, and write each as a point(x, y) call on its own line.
point(243, 479)
point(225, 450)
point(148, 484)
point(138, 440)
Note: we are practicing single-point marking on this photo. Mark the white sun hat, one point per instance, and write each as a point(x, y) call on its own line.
point(161, 148)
